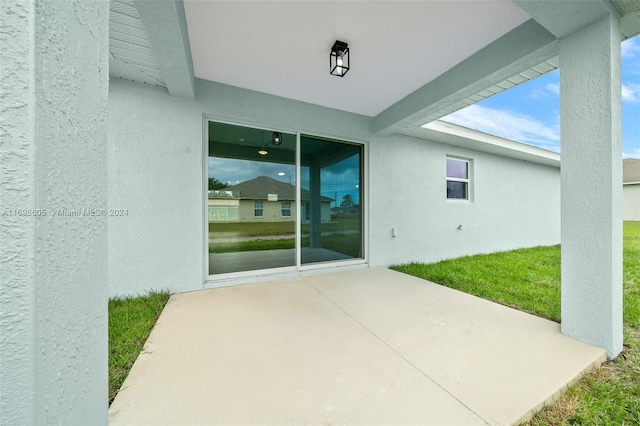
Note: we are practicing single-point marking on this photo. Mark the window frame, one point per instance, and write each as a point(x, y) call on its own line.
point(256, 208)
point(468, 180)
point(282, 209)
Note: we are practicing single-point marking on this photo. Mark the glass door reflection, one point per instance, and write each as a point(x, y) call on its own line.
point(251, 199)
point(330, 200)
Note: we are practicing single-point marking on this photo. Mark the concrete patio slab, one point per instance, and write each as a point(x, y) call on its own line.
point(368, 346)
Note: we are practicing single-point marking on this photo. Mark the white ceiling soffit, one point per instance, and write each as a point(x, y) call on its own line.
point(451, 134)
point(282, 47)
point(130, 54)
point(513, 81)
point(630, 16)
point(629, 11)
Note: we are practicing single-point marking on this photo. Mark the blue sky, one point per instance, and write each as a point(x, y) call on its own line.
point(530, 113)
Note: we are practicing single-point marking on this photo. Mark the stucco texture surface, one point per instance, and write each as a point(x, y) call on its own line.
point(54, 285)
point(591, 185)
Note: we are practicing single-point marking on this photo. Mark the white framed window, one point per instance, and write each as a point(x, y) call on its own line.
point(258, 209)
point(458, 179)
point(285, 208)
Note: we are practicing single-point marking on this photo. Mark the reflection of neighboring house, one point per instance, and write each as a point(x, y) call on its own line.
point(631, 189)
point(262, 199)
point(223, 206)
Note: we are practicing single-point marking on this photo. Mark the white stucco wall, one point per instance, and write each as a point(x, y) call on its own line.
point(156, 173)
point(53, 270)
point(515, 204)
point(631, 202)
point(157, 147)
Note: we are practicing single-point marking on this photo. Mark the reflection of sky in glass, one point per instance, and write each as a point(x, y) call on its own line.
point(456, 169)
point(337, 180)
point(233, 171)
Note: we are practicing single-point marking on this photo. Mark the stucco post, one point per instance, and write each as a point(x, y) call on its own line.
point(590, 100)
point(53, 286)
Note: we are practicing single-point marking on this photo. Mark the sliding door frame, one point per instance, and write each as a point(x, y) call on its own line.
point(234, 278)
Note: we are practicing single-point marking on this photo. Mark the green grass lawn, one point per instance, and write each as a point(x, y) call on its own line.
point(529, 280)
point(130, 322)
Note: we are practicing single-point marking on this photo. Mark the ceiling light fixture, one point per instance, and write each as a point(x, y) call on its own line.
point(276, 138)
point(339, 59)
point(263, 151)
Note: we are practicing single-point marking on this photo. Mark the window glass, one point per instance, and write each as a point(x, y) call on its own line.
point(285, 209)
point(248, 179)
point(331, 200)
point(458, 179)
point(457, 168)
point(257, 209)
point(457, 190)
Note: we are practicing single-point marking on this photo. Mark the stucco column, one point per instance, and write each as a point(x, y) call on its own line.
point(315, 207)
point(53, 253)
point(591, 185)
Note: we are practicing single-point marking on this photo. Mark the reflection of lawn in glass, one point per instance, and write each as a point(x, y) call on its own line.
point(342, 234)
point(339, 222)
point(250, 229)
point(348, 244)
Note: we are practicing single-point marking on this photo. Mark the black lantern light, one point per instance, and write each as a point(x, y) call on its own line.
point(339, 59)
point(276, 138)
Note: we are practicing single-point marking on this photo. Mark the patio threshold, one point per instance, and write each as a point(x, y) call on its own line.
point(362, 347)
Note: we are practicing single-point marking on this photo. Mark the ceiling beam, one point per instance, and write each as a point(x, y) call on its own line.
point(564, 17)
point(520, 49)
point(166, 27)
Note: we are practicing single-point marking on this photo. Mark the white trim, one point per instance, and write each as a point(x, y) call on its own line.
point(248, 123)
point(451, 134)
point(281, 274)
point(468, 180)
point(298, 203)
point(248, 277)
point(205, 198)
point(331, 264)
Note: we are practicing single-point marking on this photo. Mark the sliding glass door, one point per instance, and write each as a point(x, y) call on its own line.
point(253, 200)
point(330, 198)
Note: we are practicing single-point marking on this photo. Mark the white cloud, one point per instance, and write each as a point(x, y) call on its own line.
point(627, 94)
point(634, 154)
point(509, 125)
point(631, 92)
point(554, 88)
point(630, 48)
point(548, 91)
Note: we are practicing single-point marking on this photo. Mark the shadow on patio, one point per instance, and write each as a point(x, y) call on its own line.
point(367, 346)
